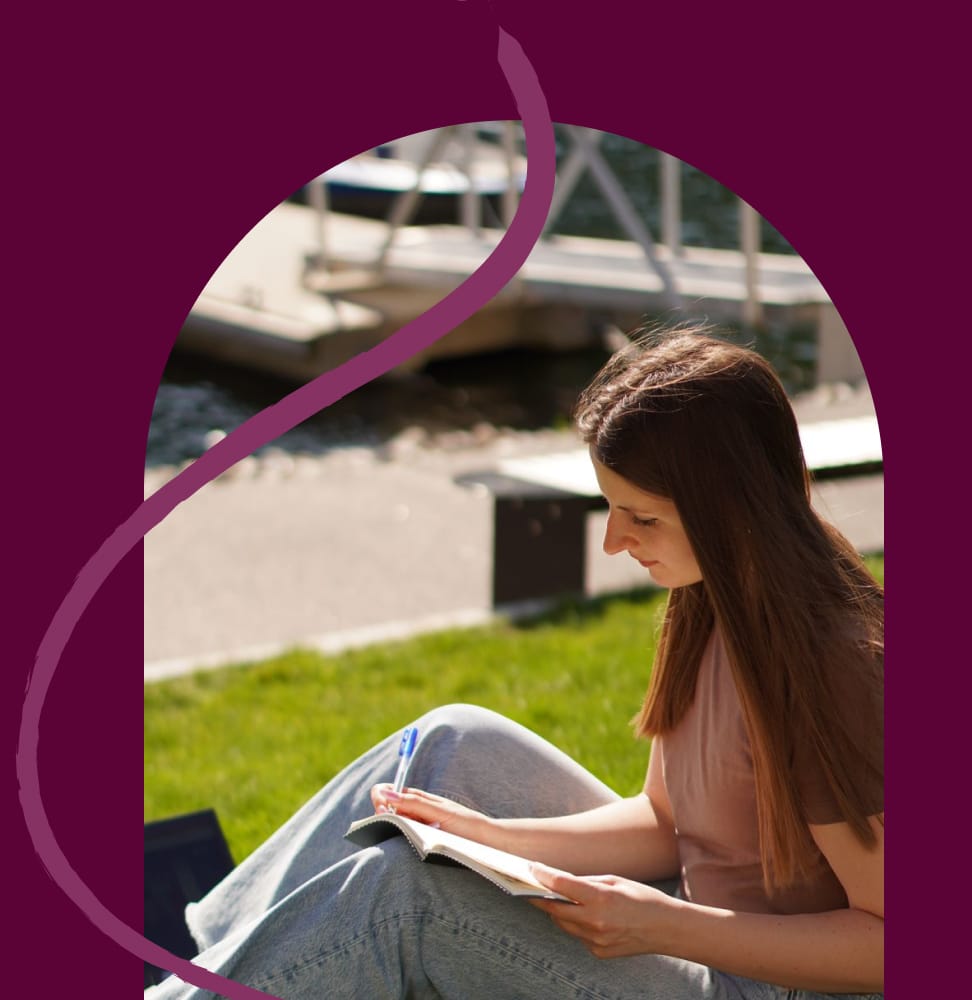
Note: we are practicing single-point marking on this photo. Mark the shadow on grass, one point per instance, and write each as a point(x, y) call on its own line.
point(577, 609)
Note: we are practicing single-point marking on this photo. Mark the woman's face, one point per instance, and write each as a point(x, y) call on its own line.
point(648, 528)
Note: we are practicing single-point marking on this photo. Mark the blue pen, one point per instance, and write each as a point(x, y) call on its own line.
point(405, 750)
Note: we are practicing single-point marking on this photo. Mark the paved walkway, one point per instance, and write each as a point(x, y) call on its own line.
point(361, 545)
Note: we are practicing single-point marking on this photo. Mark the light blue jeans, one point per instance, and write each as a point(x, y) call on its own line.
point(308, 916)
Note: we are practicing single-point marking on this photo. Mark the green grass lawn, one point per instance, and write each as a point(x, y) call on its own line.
point(256, 741)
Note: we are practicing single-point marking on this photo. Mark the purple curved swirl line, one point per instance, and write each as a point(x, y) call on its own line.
point(488, 279)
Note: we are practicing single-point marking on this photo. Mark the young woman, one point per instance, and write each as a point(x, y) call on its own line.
point(764, 792)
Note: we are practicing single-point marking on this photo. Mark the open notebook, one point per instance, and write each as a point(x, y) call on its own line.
point(509, 872)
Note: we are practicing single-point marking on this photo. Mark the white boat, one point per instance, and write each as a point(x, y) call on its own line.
point(444, 165)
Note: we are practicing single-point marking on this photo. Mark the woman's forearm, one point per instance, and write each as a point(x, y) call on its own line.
point(627, 837)
point(624, 838)
point(840, 951)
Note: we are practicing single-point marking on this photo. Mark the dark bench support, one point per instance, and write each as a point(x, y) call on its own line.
point(539, 538)
point(185, 856)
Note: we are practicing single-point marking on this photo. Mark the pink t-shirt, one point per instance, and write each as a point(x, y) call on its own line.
point(708, 772)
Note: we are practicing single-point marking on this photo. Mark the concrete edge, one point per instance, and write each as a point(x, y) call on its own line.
point(338, 642)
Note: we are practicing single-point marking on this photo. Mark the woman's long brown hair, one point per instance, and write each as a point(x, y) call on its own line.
point(694, 418)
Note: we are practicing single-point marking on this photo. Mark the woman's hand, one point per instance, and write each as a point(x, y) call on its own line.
point(432, 809)
point(613, 917)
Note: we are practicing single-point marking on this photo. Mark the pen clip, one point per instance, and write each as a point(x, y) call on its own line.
point(407, 746)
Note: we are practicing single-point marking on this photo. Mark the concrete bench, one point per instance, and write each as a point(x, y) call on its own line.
point(541, 503)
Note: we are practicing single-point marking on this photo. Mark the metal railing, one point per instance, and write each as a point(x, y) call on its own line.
point(584, 155)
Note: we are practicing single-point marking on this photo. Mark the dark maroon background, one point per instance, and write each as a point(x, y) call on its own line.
point(141, 147)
